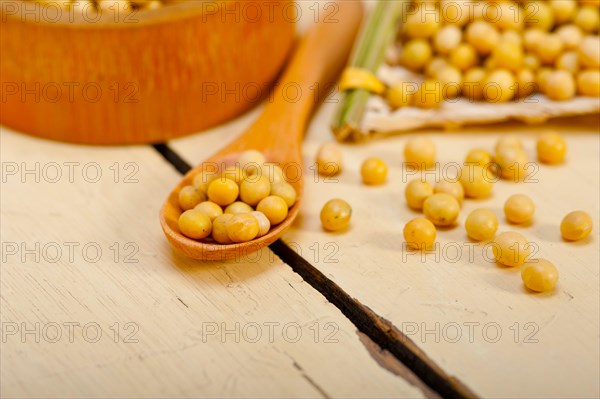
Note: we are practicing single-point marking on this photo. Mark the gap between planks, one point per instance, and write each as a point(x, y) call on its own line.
point(381, 336)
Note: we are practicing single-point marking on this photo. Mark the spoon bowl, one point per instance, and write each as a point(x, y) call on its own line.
point(278, 131)
point(210, 250)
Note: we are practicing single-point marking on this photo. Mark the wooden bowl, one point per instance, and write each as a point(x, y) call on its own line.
point(119, 78)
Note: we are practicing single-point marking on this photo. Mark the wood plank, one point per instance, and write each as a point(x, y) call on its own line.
point(175, 344)
point(549, 342)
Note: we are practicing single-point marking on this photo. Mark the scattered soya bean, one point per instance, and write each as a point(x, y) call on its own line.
point(479, 157)
point(442, 209)
point(519, 208)
point(419, 234)
point(539, 275)
point(477, 181)
point(420, 153)
point(416, 192)
point(329, 159)
point(551, 148)
point(481, 224)
point(374, 171)
point(511, 249)
point(576, 226)
point(454, 188)
point(335, 215)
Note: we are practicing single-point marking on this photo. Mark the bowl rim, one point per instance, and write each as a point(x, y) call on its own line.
point(33, 12)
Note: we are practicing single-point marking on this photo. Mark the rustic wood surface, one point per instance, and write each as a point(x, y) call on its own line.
point(173, 302)
point(549, 344)
point(170, 312)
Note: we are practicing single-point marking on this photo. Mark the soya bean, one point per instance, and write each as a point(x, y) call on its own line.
point(335, 215)
point(429, 95)
point(519, 208)
point(285, 191)
point(238, 207)
point(587, 19)
point(539, 275)
point(203, 179)
point(511, 249)
point(416, 193)
point(568, 61)
point(242, 227)
point(589, 52)
point(401, 94)
point(499, 86)
point(483, 36)
point(416, 54)
point(453, 188)
point(588, 83)
point(250, 161)
point(420, 152)
point(476, 181)
point(513, 163)
point(571, 35)
point(447, 39)
point(576, 226)
point(472, 85)
point(189, 197)
point(479, 157)
point(563, 11)
point(274, 208)
point(329, 159)
point(254, 188)
point(219, 229)
point(210, 209)
point(539, 15)
point(422, 24)
point(551, 148)
point(223, 191)
point(549, 48)
point(374, 171)
point(560, 86)
point(508, 140)
point(463, 57)
point(450, 79)
point(508, 55)
point(194, 224)
point(481, 224)
point(263, 223)
point(419, 234)
point(442, 209)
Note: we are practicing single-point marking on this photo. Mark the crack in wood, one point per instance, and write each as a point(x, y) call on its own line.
point(386, 360)
point(184, 304)
point(380, 331)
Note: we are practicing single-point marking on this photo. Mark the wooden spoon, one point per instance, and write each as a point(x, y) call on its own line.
point(279, 129)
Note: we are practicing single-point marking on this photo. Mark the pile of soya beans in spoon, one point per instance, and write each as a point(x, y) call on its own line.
point(499, 50)
point(236, 204)
point(441, 203)
point(106, 6)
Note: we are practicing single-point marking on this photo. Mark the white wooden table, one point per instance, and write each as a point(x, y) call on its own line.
point(94, 303)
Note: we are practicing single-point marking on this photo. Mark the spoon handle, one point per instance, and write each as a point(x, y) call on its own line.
point(320, 57)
